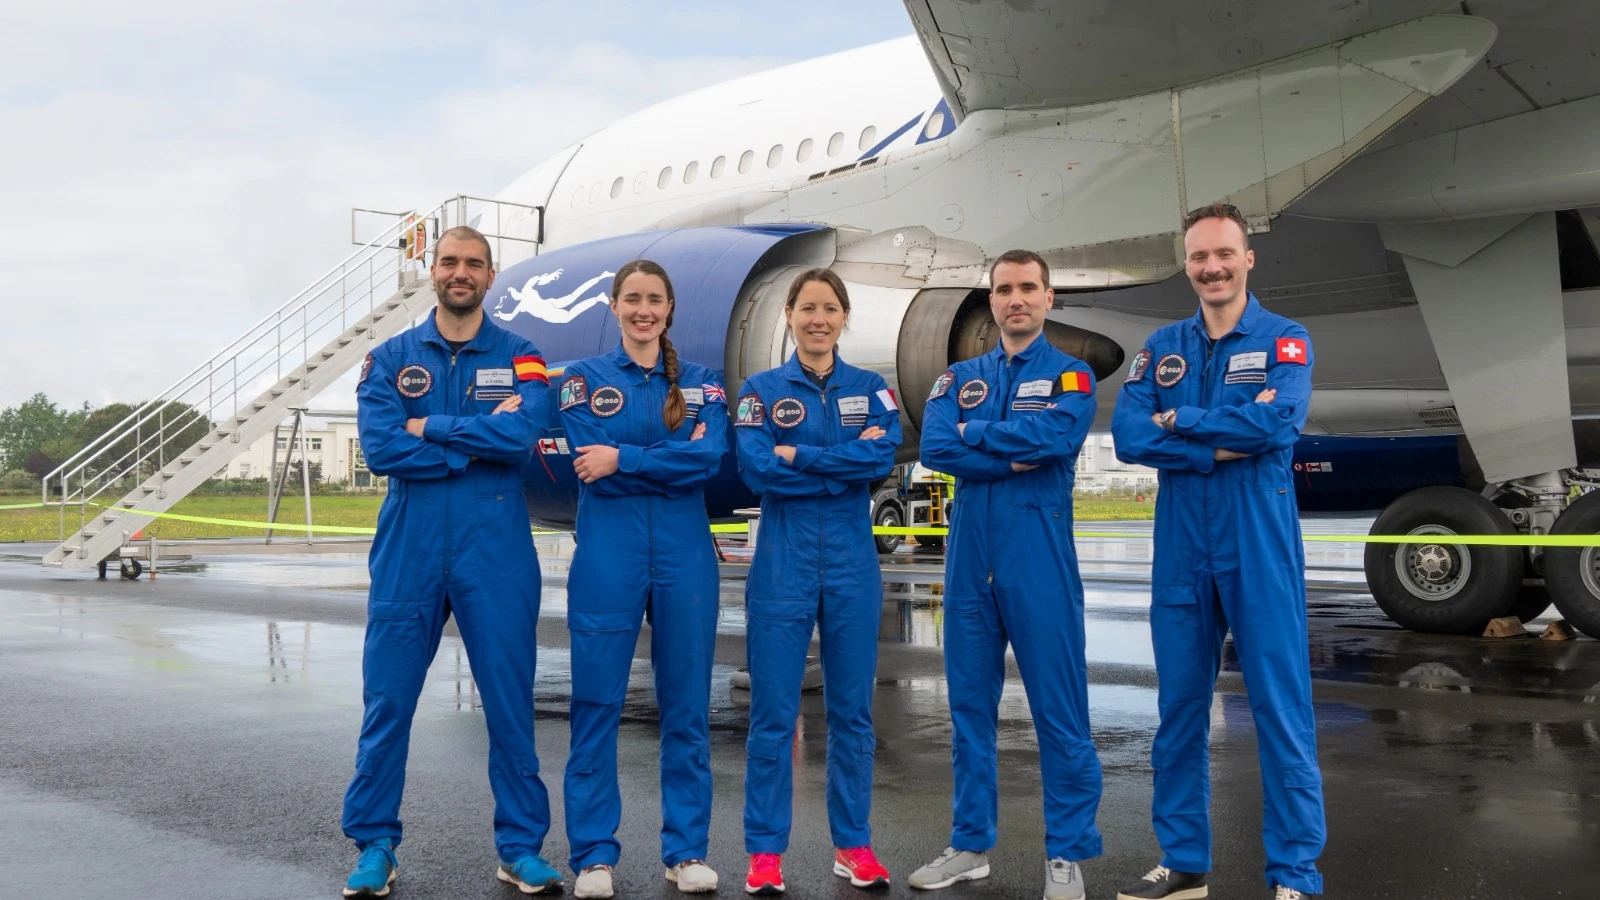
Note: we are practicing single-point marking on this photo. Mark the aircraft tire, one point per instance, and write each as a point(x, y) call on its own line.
point(1439, 587)
point(1531, 602)
point(887, 511)
point(1572, 574)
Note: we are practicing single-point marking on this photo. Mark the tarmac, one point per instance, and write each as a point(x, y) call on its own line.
point(192, 736)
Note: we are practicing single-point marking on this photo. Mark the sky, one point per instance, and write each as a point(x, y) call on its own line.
point(174, 170)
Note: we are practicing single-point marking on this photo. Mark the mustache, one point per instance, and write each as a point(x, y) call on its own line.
point(1213, 279)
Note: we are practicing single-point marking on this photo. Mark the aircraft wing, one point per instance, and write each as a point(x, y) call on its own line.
point(1030, 54)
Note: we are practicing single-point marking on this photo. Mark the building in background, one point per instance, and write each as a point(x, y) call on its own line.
point(1099, 470)
point(332, 445)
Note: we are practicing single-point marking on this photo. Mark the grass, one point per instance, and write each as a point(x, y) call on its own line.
point(360, 510)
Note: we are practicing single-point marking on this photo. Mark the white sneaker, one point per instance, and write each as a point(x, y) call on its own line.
point(693, 876)
point(594, 883)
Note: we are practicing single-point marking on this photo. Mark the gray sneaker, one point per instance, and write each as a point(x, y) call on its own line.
point(1063, 880)
point(950, 867)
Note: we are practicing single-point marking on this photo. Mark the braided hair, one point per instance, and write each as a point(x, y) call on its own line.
point(676, 408)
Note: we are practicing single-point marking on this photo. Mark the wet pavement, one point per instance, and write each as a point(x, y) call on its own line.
point(192, 737)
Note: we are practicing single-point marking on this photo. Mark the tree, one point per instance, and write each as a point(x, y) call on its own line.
point(38, 428)
point(38, 464)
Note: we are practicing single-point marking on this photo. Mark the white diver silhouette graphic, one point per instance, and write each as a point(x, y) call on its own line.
point(557, 310)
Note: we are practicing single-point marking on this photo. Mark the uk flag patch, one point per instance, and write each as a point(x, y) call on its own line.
point(1292, 350)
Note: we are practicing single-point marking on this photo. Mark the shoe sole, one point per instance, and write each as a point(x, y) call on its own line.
point(843, 871)
point(672, 876)
point(553, 887)
point(1197, 893)
point(384, 892)
point(766, 890)
point(977, 873)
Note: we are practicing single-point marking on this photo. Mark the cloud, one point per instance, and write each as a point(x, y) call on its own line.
point(175, 171)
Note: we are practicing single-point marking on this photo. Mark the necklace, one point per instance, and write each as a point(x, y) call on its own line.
point(820, 373)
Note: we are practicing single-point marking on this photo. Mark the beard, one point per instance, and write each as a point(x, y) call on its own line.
point(460, 306)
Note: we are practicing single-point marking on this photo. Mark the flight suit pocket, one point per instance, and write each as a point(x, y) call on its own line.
point(1173, 595)
point(601, 620)
point(768, 608)
point(496, 481)
point(394, 633)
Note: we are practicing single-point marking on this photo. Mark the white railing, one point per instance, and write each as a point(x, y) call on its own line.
point(222, 387)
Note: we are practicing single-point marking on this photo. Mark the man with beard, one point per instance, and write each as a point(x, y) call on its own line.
point(450, 411)
point(1217, 402)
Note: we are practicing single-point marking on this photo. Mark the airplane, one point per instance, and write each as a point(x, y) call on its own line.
point(1422, 181)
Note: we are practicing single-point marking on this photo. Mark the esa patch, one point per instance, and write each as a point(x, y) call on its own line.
point(606, 401)
point(750, 412)
point(1292, 350)
point(788, 412)
point(941, 385)
point(1170, 370)
point(574, 392)
point(1141, 361)
point(972, 393)
point(414, 381)
point(366, 369)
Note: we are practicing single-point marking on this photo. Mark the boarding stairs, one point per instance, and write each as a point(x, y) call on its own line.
point(247, 389)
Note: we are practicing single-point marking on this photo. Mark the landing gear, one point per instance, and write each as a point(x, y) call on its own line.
point(1436, 586)
point(1572, 574)
point(887, 513)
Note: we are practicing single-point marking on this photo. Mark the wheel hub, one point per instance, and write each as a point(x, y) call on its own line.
point(1433, 571)
point(1433, 563)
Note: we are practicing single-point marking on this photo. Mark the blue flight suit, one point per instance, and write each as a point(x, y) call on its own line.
point(453, 538)
point(644, 550)
point(815, 563)
point(1011, 574)
point(1228, 555)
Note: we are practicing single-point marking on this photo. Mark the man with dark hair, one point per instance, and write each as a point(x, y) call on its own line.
point(1217, 402)
point(1008, 426)
point(450, 411)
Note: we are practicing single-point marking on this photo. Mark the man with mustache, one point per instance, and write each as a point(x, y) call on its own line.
point(450, 411)
point(1216, 403)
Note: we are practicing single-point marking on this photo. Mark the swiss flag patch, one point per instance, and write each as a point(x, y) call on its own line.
point(1292, 350)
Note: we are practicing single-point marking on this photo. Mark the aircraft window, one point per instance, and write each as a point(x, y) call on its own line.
point(690, 171)
point(664, 177)
point(594, 192)
point(639, 181)
point(836, 143)
point(869, 136)
point(717, 165)
point(616, 188)
point(935, 125)
point(577, 195)
point(804, 153)
point(774, 156)
point(745, 160)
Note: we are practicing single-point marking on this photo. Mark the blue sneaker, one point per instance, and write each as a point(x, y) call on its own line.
point(531, 874)
point(374, 872)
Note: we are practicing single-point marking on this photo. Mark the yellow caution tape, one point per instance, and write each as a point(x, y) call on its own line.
point(1468, 540)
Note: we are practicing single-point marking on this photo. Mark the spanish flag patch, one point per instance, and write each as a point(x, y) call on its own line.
point(1074, 382)
point(530, 368)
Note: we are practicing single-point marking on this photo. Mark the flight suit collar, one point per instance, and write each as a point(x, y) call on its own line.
point(796, 373)
point(998, 354)
point(479, 342)
point(620, 358)
point(1252, 314)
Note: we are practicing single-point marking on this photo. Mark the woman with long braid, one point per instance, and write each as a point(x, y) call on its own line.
point(647, 430)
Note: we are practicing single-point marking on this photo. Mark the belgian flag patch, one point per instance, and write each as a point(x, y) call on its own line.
point(1074, 382)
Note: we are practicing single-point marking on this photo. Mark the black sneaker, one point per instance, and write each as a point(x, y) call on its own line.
point(1279, 892)
point(1164, 884)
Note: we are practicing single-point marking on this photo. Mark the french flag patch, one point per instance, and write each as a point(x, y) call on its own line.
point(1292, 350)
point(886, 397)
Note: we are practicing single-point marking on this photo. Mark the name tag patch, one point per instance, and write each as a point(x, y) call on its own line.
point(694, 396)
point(494, 384)
point(1247, 368)
point(1040, 388)
point(853, 411)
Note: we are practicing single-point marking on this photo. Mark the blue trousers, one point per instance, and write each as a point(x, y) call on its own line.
point(498, 627)
point(778, 634)
point(608, 599)
point(1265, 609)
